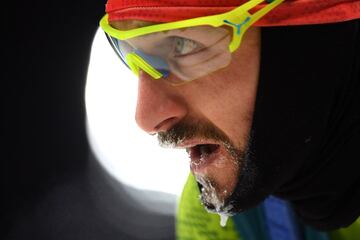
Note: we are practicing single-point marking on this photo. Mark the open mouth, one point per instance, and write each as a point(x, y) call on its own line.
point(201, 155)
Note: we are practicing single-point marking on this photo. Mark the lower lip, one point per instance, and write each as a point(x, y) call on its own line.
point(198, 166)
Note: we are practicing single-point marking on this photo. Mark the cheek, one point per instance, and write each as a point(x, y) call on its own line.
point(233, 94)
point(227, 100)
point(225, 174)
point(227, 97)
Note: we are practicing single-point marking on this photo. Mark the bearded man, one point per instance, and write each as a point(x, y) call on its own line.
point(264, 97)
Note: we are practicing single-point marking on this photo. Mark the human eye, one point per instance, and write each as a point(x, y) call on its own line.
point(185, 46)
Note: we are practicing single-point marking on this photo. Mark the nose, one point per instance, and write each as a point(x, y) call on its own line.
point(159, 106)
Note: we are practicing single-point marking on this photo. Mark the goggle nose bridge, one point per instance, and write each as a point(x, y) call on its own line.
point(137, 60)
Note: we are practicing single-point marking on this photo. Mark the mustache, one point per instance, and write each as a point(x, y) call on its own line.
point(188, 129)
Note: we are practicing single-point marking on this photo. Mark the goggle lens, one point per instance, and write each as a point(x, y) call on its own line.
point(127, 53)
point(186, 54)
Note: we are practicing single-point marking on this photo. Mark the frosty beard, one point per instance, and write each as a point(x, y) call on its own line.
point(245, 193)
point(230, 201)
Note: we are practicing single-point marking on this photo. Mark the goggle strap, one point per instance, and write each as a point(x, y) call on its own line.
point(240, 28)
point(263, 11)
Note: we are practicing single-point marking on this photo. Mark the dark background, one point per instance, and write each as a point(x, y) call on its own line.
point(52, 187)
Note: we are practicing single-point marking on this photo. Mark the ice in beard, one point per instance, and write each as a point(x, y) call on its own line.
point(209, 197)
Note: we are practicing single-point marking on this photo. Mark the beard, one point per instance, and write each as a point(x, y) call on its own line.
point(247, 190)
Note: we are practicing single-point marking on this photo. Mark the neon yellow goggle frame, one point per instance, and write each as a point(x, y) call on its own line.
point(240, 19)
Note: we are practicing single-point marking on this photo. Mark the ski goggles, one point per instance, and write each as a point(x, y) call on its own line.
point(187, 49)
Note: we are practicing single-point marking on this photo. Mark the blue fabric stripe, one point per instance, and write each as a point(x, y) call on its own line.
point(280, 220)
point(274, 219)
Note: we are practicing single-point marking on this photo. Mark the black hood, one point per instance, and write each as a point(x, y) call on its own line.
point(306, 128)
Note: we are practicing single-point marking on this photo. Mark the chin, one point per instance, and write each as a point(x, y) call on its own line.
point(246, 192)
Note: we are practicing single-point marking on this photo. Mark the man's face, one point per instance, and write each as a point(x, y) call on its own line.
point(210, 117)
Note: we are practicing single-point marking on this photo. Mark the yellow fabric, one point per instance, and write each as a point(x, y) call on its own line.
point(195, 223)
point(350, 233)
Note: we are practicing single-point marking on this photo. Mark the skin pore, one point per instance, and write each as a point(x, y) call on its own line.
point(210, 117)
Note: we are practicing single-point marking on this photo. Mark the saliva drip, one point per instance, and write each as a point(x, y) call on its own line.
point(223, 219)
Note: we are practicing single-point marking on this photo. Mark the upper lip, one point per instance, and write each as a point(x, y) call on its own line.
point(194, 142)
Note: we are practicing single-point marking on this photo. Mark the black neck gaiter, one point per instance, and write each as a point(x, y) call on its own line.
point(306, 127)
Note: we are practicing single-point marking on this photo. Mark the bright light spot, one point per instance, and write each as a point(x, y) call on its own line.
point(128, 153)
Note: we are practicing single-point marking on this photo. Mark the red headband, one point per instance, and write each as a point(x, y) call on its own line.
point(291, 12)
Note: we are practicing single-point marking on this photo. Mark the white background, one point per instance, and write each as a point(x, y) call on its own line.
point(128, 153)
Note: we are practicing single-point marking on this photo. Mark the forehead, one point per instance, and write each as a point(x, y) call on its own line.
point(130, 24)
point(125, 25)
point(133, 24)
point(205, 36)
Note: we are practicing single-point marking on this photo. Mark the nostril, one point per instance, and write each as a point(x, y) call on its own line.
point(166, 124)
